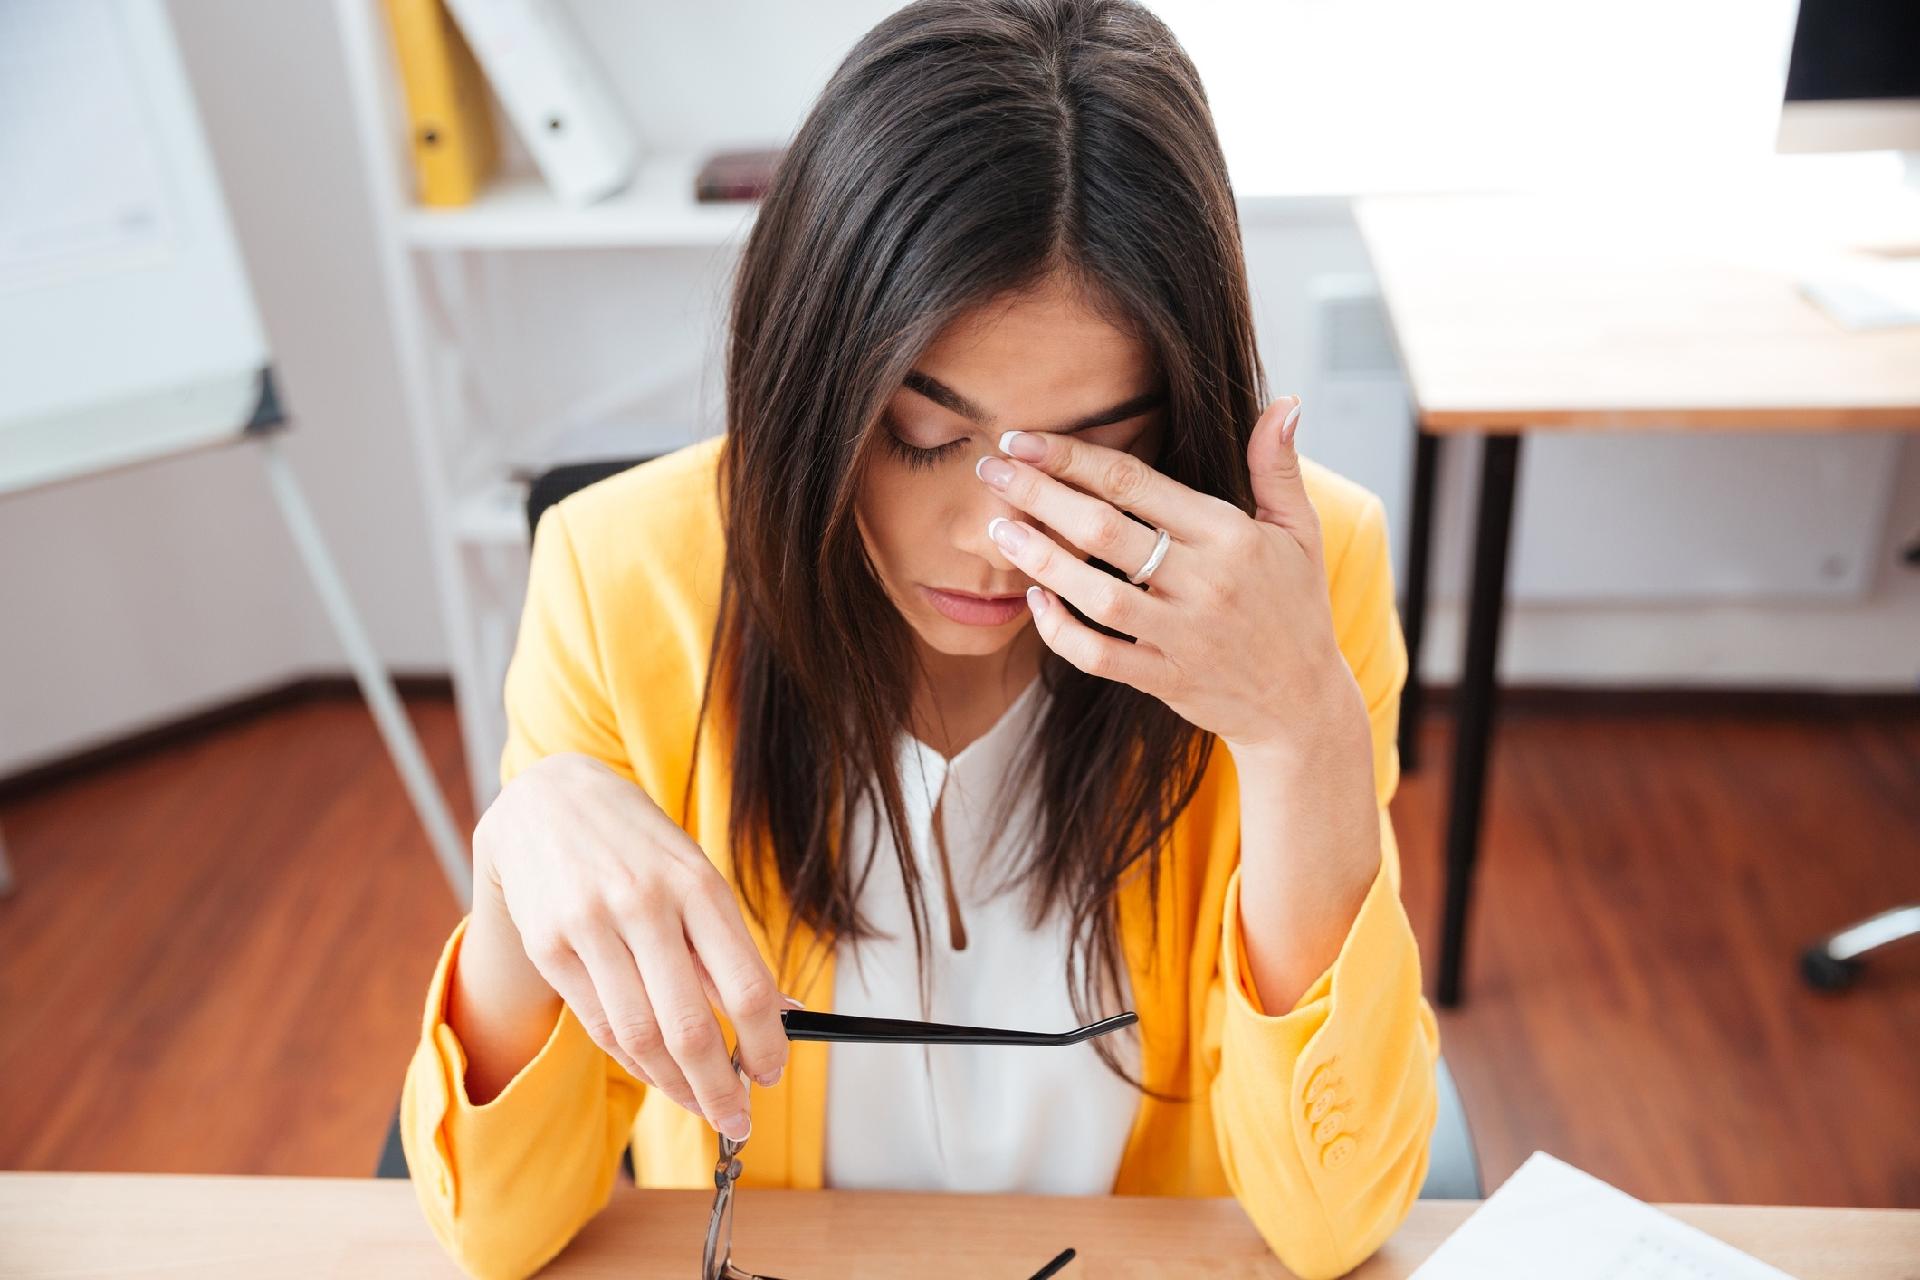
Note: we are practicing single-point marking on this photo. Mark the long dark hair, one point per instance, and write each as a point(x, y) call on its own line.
point(963, 151)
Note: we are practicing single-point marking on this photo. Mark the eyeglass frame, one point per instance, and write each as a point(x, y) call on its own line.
point(808, 1024)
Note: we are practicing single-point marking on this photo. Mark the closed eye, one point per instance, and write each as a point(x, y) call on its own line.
point(916, 457)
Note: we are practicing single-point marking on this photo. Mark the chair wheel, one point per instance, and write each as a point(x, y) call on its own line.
point(1825, 972)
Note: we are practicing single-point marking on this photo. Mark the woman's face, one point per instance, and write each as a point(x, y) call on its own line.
point(1041, 361)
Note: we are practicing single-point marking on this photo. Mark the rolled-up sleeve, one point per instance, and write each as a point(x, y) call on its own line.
point(507, 1183)
point(1324, 1112)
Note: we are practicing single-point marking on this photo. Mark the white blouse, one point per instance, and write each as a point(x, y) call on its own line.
point(969, 1117)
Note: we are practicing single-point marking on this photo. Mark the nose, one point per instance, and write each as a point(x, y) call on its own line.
point(979, 510)
point(977, 513)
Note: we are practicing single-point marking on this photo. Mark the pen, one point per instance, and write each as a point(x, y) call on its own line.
point(1053, 1268)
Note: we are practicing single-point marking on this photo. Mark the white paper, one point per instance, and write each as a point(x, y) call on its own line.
point(82, 189)
point(1550, 1218)
point(127, 327)
point(1866, 292)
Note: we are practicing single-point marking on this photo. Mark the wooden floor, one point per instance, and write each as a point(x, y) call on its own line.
point(215, 958)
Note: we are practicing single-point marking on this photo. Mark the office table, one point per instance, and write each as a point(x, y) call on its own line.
point(55, 1225)
point(1618, 311)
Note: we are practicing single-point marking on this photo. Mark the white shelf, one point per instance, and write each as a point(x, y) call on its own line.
point(656, 210)
point(494, 516)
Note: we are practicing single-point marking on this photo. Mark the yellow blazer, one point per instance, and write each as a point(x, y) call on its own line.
point(1317, 1118)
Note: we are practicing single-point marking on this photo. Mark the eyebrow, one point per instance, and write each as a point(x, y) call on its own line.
point(947, 398)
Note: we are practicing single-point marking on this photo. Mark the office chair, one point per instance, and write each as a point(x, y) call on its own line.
point(1453, 1169)
point(556, 483)
point(1832, 963)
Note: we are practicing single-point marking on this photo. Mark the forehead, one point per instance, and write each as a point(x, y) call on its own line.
point(1046, 348)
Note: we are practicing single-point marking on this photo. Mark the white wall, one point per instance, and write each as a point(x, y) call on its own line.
point(138, 597)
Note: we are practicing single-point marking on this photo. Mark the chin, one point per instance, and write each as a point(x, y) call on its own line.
point(957, 640)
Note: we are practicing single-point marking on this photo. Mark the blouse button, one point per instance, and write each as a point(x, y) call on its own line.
point(1338, 1152)
point(1320, 1107)
point(1329, 1129)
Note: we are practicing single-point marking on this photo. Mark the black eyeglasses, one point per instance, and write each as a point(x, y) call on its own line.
point(805, 1024)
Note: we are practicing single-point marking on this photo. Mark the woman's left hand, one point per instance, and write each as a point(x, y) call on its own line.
point(1236, 632)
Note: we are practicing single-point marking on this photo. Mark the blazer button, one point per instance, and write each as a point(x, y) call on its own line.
point(1338, 1152)
point(1329, 1129)
point(1320, 1106)
point(1321, 1078)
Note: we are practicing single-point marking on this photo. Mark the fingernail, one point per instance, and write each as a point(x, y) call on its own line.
point(1036, 600)
point(792, 1003)
point(736, 1126)
point(1288, 427)
point(995, 471)
point(1021, 445)
point(768, 1079)
point(1009, 535)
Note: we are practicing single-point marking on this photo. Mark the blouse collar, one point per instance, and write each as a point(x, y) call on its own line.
point(983, 762)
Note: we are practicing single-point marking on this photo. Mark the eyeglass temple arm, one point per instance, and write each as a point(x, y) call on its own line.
point(806, 1024)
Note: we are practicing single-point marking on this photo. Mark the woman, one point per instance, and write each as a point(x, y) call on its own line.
point(990, 336)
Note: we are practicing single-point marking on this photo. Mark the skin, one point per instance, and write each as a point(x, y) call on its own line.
point(587, 893)
point(1236, 634)
point(1039, 362)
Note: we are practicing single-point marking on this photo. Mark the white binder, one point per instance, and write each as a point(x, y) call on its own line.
point(553, 93)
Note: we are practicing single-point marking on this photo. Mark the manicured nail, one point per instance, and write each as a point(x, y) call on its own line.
point(1288, 427)
point(1023, 446)
point(736, 1126)
point(1009, 535)
point(1036, 600)
point(995, 471)
point(792, 1003)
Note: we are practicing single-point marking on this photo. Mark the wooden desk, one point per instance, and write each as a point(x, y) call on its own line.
point(1610, 311)
point(126, 1226)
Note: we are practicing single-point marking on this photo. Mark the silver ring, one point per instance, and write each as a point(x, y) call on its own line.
point(1153, 561)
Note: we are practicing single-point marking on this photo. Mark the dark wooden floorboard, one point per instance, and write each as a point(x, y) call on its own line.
point(216, 956)
point(1633, 1001)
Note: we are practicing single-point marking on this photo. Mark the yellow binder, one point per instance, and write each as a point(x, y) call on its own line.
point(454, 148)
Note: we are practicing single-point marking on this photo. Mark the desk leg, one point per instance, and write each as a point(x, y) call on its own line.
point(1499, 467)
point(1413, 611)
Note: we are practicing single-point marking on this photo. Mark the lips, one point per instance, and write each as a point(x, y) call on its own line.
point(975, 610)
point(974, 595)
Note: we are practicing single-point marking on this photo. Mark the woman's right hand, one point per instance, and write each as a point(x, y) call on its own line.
point(631, 925)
